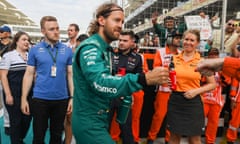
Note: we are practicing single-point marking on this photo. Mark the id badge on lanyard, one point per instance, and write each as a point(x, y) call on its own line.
point(54, 66)
point(54, 70)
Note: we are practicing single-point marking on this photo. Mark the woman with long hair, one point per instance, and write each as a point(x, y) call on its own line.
point(12, 68)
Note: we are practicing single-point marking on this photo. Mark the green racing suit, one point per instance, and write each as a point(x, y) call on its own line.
point(94, 88)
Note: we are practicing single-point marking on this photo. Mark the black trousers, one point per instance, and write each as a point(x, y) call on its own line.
point(126, 129)
point(48, 111)
point(19, 123)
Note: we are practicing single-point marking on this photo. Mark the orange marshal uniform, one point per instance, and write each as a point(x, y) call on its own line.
point(213, 104)
point(162, 58)
point(231, 67)
point(234, 123)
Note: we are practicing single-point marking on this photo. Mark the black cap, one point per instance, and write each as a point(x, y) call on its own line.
point(174, 33)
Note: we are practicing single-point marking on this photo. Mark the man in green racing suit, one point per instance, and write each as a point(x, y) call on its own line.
point(94, 85)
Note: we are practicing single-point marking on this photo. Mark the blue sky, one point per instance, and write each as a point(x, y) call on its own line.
point(66, 11)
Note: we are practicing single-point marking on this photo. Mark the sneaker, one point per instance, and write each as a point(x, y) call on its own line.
point(118, 142)
point(149, 141)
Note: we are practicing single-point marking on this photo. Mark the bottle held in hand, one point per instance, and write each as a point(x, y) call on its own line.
point(126, 103)
point(166, 62)
point(172, 75)
point(123, 110)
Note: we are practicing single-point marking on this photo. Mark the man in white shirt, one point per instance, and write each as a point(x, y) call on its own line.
point(73, 30)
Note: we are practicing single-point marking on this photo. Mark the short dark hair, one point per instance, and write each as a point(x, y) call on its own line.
point(213, 51)
point(128, 32)
point(136, 38)
point(75, 26)
point(82, 37)
point(168, 18)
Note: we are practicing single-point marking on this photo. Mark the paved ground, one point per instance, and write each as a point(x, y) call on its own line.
point(5, 138)
point(219, 140)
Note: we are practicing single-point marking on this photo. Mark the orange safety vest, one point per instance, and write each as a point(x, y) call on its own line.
point(163, 58)
point(235, 90)
point(215, 96)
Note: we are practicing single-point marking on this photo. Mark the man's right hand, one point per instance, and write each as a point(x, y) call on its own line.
point(157, 76)
point(25, 107)
point(154, 17)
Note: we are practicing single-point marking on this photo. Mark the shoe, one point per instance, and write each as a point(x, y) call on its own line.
point(149, 141)
point(118, 142)
point(7, 130)
point(230, 142)
point(166, 142)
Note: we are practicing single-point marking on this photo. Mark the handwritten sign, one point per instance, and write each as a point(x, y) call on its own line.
point(202, 24)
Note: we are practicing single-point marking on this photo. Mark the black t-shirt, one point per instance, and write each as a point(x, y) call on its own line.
point(3, 48)
point(132, 62)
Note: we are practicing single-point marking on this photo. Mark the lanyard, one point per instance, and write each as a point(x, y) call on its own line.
point(53, 58)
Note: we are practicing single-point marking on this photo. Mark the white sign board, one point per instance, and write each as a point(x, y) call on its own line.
point(202, 24)
point(238, 15)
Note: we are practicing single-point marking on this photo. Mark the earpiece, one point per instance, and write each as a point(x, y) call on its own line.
point(169, 39)
point(171, 36)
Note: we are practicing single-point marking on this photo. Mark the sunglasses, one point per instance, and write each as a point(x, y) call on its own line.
point(213, 53)
point(232, 25)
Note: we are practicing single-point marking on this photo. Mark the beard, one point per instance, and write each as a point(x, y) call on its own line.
point(52, 39)
point(110, 35)
point(123, 49)
point(176, 45)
